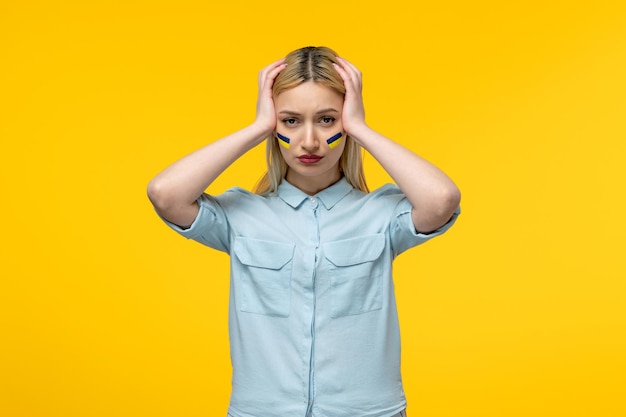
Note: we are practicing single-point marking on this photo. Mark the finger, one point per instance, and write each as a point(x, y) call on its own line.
point(343, 74)
point(273, 65)
point(350, 65)
point(353, 72)
point(272, 76)
point(263, 74)
point(350, 68)
point(350, 80)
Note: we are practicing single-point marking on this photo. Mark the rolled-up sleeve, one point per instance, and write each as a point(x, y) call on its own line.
point(210, 226)
point(403, 233)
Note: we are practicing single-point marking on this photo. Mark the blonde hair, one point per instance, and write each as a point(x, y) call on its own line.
point(310, 64)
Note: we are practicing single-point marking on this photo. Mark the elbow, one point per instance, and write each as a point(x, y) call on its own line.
point(448, 201)
point(437, 210)
point(158, 195)
point(453, 198)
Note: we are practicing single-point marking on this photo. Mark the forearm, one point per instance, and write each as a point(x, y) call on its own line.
point(433, 195)
point(174, 191)
point(181, 183)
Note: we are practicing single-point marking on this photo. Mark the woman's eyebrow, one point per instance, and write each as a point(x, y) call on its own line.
point(294, 113)
point(328, 110)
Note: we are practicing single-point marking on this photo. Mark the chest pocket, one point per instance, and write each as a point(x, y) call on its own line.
point(265, 276)
point(355, 274)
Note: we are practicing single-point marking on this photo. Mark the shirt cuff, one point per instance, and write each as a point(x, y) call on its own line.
point(438, 231)
point(194, 229)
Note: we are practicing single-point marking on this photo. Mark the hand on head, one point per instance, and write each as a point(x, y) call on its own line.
point(353, 114)
point(265, 112)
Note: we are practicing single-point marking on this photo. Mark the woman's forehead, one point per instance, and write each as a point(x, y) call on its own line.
point(308, 96)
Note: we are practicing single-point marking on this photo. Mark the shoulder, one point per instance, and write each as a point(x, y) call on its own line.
point(378, 204)
point(387, 190)
point(236, 194)
point(389, 194)
point(232, 200)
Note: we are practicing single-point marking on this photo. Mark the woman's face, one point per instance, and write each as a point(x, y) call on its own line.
point(308, 118)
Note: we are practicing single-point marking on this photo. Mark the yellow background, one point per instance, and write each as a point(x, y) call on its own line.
point(518, 311)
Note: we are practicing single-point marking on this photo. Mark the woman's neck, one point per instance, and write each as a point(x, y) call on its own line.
point(312, 185)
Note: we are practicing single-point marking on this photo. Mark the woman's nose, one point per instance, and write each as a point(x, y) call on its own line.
point(309, 140)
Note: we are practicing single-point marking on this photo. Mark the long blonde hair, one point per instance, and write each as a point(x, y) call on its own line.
point(310, 64)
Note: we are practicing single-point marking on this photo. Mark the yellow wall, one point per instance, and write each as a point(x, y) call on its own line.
point(518, 311)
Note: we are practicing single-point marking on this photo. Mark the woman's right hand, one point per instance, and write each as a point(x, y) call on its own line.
point(265, 111)
point(174, 191)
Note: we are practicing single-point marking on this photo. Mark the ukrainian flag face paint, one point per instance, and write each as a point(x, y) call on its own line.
point(334, 140)
point(283, 140)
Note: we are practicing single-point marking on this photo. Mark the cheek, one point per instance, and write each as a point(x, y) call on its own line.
point(283, 140)
point(287, 154)
point(337, 150)
point(283, 151)
point(335, 140)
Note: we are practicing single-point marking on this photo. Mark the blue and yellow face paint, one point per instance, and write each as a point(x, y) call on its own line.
point(283, 140)
point(334, 140)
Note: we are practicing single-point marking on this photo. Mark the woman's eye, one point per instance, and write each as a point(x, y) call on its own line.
point(327, 120)
point(289, 122)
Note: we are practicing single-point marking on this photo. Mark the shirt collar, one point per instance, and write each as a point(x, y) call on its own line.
point(328, 196)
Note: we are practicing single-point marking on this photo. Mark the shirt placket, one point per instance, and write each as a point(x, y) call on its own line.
point(313, 237)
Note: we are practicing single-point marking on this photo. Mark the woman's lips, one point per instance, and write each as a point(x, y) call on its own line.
point(309, 159)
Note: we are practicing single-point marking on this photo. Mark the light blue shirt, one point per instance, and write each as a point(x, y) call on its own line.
point(312, 316)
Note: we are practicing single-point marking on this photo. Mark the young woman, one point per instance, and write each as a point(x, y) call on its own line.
point(312, 316)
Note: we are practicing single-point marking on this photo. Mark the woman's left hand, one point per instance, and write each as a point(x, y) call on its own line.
point(353, 113)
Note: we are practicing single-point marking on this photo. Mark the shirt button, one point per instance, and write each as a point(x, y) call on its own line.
point(312, 200)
